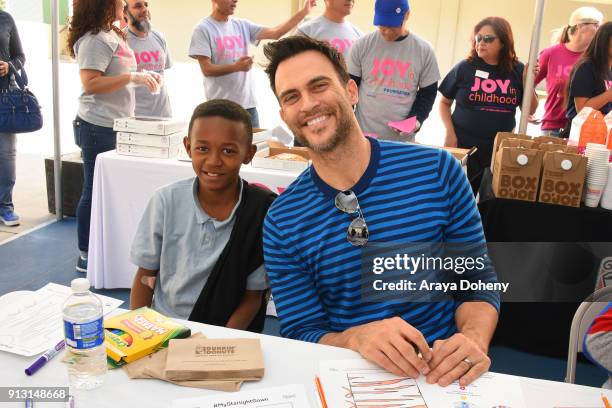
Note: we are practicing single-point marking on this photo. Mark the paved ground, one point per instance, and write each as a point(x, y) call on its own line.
point(29, 196)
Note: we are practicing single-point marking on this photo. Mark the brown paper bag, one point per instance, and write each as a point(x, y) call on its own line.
point(499, 138)
point(154, 365)
point(546, 140)
point(517, 173)
point(563, 177)
point(214, 359)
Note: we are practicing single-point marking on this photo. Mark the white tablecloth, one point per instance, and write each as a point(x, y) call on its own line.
point(287, 362)
point(122, 188)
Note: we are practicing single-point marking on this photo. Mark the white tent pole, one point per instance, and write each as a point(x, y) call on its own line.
point(533, 58)
point(57, 165)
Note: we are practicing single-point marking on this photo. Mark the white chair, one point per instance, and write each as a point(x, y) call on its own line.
point(584, 316)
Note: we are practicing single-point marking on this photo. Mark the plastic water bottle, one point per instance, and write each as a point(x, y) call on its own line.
point(84, 332)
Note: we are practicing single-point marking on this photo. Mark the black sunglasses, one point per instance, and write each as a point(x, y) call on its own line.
point(488, 39)
point(357, 233)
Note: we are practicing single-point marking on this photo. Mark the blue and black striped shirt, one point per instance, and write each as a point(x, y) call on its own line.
point(408, 193)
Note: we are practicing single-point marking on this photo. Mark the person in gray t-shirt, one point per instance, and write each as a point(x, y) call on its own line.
point(106, 69)
point(151, 52)
point(333, 27)
point(220, 44)
point(397, 73)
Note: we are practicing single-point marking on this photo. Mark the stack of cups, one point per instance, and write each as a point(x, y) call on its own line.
point(606, 198)
point(597, 173)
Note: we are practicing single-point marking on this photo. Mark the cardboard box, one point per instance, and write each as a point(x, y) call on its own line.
point(148, 151)
point(501, 136)
point(214, 359)
point(142, 139)
point(563, 176)
point(149, 126)
point(263, 159)
point(589, 126)
point(138, 333)
point(517, 173)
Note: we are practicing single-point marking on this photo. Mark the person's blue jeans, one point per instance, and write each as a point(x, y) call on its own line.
point(254, 117)
point(92, 140)
point(8, 156)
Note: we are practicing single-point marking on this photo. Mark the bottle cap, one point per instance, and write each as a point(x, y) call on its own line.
point(79, 285)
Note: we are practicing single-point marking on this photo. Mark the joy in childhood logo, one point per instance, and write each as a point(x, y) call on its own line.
point(341, 44)
point(230, 46)
point(493, 91)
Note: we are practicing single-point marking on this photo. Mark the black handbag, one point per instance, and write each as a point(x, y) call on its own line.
point(19, 108)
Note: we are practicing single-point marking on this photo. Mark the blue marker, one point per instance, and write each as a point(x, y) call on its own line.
point(42, 360)
point(29, 403)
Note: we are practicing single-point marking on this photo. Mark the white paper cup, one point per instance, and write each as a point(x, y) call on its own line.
point(592, 194)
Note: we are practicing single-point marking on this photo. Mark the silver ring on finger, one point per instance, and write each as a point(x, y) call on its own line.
point(468, 362)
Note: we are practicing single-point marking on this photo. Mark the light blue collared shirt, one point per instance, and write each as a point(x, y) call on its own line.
point(178, 238)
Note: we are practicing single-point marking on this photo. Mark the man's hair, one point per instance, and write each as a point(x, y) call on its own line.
point(225, 109)
point(282, 50)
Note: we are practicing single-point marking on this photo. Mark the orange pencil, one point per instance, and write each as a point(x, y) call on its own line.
point(605, 401)
point(322, 396)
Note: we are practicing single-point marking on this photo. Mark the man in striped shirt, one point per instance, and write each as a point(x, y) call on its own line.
point(406, 193)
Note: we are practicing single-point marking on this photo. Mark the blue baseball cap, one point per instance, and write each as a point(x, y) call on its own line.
point(390, 13)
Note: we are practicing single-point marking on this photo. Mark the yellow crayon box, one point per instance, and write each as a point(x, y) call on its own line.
point(138, 333)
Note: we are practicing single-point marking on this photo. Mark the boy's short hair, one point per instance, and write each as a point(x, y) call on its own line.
point(226, 109)
point(288, 47)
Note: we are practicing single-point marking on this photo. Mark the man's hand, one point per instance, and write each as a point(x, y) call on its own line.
point(4, 68)
point(392, 344)
point(457, 358)
point(244, 64)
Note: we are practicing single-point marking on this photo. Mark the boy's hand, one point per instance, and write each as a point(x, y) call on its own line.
point(149, 281)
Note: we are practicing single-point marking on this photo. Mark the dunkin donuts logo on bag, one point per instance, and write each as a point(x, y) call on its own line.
point(518, 187)
point(215, 350)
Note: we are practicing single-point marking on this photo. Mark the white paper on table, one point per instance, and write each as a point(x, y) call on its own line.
point(359, 383)
point(34, 324)
point(289, 396)
point(490, 390)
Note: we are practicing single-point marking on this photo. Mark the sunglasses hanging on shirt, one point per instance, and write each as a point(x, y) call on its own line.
point(488, 39)
point(357, 233)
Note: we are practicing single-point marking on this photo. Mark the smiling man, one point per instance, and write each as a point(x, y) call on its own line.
point(152, 54)
point(220, 44)
point(201, 237)
point(358, 192)
point(333, 27)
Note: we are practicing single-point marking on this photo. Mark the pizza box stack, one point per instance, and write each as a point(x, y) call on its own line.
point(159, 138)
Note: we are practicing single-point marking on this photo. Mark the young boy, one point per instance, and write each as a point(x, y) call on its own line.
point(200, 240)
point(598, 343)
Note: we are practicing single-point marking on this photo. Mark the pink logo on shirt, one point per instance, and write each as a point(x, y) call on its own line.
point(147, 56)
point(608, 85)
point(126, 55)
point(390, 67)
point(342, 45)
point(490, 86)
point(229, 42)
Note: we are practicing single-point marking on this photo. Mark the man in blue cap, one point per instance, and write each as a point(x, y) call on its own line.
point(397, 73)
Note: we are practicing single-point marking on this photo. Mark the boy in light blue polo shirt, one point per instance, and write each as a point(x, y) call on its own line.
point(201, 238)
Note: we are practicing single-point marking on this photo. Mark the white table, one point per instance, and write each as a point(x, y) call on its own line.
point(287, 362)
point(122, 188)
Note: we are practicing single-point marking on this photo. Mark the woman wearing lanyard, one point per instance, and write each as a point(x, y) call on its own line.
point(10, 52)
point(556, 63)
point(591, 79)
point(487, 87)
point(107, 66)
